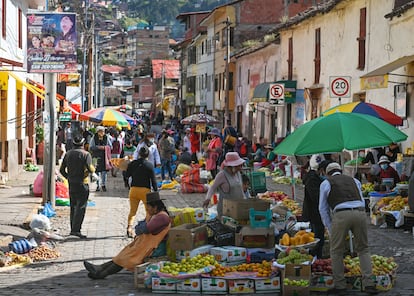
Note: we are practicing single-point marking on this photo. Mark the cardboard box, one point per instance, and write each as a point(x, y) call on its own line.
point(354, 283)
point(321, 283)
point(295, 291)
point(296, 272)
point(214, 285)
point(384, 282)
point(239, 208)
point(190, 285)
point(255, 237)
point(229, 254)
point(139, 276)
point(270, 285)
point(203, 250)
point(163, 285)
point(187, 236)
point(199, 215)
point(241, 286)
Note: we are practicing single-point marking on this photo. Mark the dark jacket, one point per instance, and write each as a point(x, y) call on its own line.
point(76, 166)
point(142, 173)
point(310, 211)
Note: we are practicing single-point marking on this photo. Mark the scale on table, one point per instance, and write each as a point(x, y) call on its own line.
point(388, 183)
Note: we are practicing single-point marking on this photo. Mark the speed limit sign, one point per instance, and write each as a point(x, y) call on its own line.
point(340, 86)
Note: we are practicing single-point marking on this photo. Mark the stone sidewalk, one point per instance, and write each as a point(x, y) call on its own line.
point(105, 225)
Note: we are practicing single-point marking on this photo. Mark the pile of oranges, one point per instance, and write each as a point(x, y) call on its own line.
point(263, 269)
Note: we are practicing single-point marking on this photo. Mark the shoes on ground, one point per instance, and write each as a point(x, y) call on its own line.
point(337, 292)
point(98, 189)
point(104, 188)
point(78, 234)
point(371, 290)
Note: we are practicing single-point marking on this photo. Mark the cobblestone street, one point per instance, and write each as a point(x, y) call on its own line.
point(105, 225)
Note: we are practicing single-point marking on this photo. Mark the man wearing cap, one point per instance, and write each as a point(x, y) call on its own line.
point(342, 209)
point(76, 167)
point(101, 146)
point(387, 171)
point(167, 149)
point(154, 155)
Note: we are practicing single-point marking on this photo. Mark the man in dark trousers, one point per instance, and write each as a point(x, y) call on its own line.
point(342, 209)
point(76, 167)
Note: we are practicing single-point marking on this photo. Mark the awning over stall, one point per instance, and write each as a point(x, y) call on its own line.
point(261, 91)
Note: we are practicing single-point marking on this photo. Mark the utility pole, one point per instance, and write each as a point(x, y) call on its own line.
point(83, 85)
point(50, 127)
point(226, 112)
point(162, 86)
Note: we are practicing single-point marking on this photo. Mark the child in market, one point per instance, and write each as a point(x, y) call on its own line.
point(246, 186)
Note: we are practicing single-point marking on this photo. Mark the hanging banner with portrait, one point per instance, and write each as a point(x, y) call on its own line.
point(52, 42)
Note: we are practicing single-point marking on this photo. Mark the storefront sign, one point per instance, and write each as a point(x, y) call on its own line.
point(374, 82)
point(51, 43)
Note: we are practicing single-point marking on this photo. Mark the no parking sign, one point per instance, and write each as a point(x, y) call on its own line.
point(277, 93)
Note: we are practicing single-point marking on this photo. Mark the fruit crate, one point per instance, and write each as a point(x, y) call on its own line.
point(260, 218)
point(219, 234)
point(257, 182)
point(390, 220)
point(408, 222)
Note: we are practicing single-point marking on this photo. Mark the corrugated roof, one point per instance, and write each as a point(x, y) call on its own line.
point(112, 69)
point(171, 69)
point(320, 8)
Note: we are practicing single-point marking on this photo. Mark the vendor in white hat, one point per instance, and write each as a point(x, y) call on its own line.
point(228, 182)
point(387, 171)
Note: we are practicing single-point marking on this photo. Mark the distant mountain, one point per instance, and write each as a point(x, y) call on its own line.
point(164, 12)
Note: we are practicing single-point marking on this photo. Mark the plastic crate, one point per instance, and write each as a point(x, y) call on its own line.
point(258, 257)
point(260, 218)
point(257, 182)
point(408, 223)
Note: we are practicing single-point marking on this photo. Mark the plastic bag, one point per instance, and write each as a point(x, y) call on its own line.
point(48, 210)
point(38, 184)
point(62, 190)
point(21, 246)
point(40, 222)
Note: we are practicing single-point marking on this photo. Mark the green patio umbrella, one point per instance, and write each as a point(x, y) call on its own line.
point(337, 132)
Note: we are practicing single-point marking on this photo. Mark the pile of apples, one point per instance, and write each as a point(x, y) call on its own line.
point(322, 266)
point(380, 265)
point(273, 196)
point(301, 283)
point(188, 265)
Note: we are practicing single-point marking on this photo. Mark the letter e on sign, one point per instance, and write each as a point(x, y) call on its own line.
point(277, 94)
point(340, 86)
